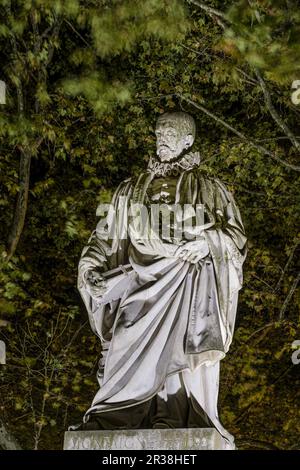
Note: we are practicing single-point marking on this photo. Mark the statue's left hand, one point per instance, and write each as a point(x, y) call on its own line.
point(193, 251)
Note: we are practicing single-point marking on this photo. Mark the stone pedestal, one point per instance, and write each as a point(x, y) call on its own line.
point(145, 439)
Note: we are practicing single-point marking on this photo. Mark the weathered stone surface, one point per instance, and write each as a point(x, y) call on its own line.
point(145, 439)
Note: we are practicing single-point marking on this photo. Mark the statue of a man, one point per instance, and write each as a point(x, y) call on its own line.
point(164, 304)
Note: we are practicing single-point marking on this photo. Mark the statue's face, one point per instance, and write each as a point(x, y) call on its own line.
point(171, 141)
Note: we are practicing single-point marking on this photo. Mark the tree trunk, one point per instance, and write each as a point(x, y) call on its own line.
point(21, 203)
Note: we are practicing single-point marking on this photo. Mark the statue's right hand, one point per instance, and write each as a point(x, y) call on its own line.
point(95, 282)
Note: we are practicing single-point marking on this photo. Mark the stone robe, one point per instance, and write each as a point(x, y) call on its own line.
point(171, 321)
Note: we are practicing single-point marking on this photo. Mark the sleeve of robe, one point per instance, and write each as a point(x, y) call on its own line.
point(224, 232)
point(227, 244)
point(106, 249)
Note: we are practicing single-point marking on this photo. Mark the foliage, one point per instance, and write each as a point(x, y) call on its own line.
point(89, 118)
point(266, 35)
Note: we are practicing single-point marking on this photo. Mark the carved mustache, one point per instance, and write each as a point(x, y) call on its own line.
point(164, 145)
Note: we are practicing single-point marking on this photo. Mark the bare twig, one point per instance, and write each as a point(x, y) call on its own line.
point(212, 12)
point(274, 139)
point(254, 333)
point(76, 32)
point(192, 50)
point(262, 280)
point(250, 80)
point(209, 10)
point(290, 258)
point(289, 296)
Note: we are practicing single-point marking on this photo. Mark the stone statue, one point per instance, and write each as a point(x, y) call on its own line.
point(163, 304)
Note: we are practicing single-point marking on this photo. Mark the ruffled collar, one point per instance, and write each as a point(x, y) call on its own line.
point(174, 168)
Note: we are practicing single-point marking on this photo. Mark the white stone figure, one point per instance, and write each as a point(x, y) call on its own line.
point(163, 306)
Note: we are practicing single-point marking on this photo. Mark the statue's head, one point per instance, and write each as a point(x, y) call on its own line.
point(175, 133)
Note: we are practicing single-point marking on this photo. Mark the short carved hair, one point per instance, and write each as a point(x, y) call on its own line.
point(184, 121)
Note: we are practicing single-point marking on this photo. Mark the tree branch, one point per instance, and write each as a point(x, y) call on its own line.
point(26, 153)
point(251, 80)
point(76, 32)
point(25, 160)
point(289, 296)
point(240, 135)
point(21, 203)
point(219, 14)
point(274, 113)
point(260, 399)
point(290, 258)
point(256, 444)
point(216, 14)
point(209, 10)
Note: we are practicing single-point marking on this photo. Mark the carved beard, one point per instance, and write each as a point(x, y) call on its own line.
point(175, 159)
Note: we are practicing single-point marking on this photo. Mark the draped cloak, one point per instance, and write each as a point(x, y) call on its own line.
point(171, 315)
